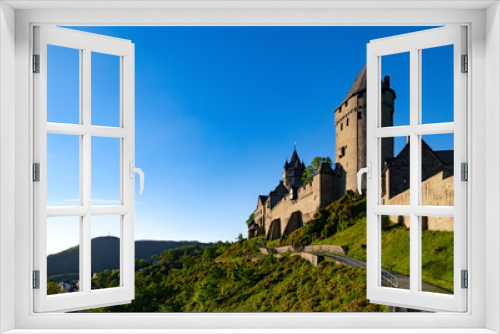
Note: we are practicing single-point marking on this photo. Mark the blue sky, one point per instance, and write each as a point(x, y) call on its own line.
point(218, 110)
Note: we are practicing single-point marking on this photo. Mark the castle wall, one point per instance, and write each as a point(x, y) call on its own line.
point(307, 202)
point(259, 215)
point(437, 190)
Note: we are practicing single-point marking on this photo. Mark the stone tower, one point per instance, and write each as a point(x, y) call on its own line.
point(292, 171)
point(350, 126)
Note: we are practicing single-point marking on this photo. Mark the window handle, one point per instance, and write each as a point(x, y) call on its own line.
point(134, 170)
point(368, 171)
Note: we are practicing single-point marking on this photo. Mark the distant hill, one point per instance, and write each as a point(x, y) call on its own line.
point(106, 255)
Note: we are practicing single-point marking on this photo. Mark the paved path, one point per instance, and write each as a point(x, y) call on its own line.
point(392, 279)
point(388, 277)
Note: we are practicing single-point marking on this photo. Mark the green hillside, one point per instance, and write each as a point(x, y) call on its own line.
point(105, 255)
point(236, 277)
point(192, 279)
point(344, 223)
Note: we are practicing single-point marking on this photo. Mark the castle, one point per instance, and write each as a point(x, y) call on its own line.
point(292, 204)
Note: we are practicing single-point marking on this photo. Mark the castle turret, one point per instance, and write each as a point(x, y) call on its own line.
point(350, 124)
point(293, 171)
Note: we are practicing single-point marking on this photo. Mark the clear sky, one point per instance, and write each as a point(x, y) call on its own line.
point(218, 110)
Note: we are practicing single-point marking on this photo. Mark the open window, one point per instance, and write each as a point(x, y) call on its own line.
point(87, 126)
point(421, 164)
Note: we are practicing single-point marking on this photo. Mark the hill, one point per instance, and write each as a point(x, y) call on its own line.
point(105, 255)
point(236, 277)
point(344, 223)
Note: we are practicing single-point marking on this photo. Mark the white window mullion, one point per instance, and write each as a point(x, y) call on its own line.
point(86, 167)
point(460, 143)
point(373, 199)
point(127, 102)
point(415, 159)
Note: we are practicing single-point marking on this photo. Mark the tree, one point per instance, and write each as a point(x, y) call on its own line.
point(250, 218)
point(313, 167)
point(53, 288)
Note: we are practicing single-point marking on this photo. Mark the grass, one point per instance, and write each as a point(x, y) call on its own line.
point(437, 251)
point(187, 282)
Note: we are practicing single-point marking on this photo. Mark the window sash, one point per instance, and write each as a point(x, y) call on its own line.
point(87, 43)
point(413, 43)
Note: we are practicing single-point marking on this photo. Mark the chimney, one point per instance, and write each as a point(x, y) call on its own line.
point(387, 81)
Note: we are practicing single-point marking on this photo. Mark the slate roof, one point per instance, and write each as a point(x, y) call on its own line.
point(446, 156)
point(262, 199)
point(294, 161)
point(294, 157)
point(359, 85)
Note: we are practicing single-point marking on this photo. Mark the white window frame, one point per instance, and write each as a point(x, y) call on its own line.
point(86, 44)
point(16, 125)
point(414, 43)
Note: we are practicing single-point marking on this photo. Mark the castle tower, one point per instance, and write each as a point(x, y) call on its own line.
point(293, 171)
point(350, 126)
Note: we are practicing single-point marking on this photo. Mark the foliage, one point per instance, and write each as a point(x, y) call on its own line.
point(313, 167)
point(236, 277)
point(250, 218)
point(105, 255)
point(344, 223)
point(53, 288)
point(437, 250)
point(184, 280)
point(336, 217)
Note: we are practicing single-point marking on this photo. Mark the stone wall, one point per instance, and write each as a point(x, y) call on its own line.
point(326, 248)
point(307, 203)
point(314, 259)
point(437, 190)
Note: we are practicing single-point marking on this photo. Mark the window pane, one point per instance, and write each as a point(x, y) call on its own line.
point(105, 232)
point(395, 179)
point(395, 251)
point(63, 170)
point(105, 90)
point(437, 254)
point(395, 78)
point(63, 260)
point(437, 85)
point(437, 170)
point(63, 85)
point(105, 171)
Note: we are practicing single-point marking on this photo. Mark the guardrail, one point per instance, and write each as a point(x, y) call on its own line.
point(390, 278)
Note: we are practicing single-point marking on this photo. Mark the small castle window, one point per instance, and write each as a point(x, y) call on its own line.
point(347, 122)
point(360, 115)
point(341, 126)
point(342, 151)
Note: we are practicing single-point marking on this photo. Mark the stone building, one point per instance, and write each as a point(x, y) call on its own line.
point(350, 129)
point(292, 204)
point(437, 184)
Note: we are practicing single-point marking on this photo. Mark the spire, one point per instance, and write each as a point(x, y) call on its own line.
point(295, 157)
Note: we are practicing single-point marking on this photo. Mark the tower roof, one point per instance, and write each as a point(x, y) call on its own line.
point(294, 161)
point(359, 85)
point(294, 158)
